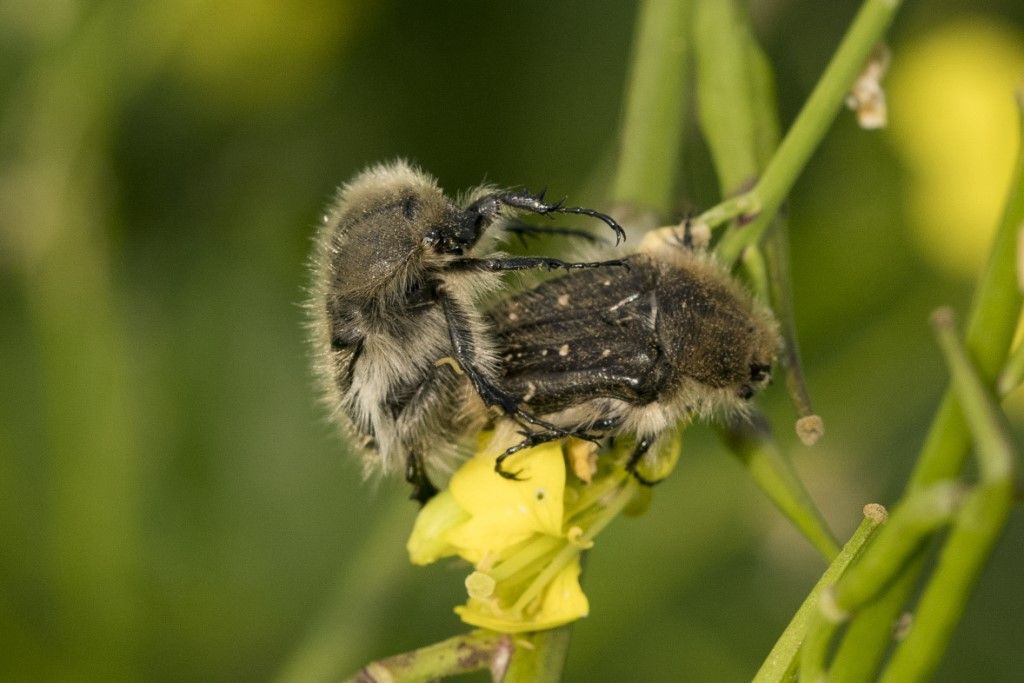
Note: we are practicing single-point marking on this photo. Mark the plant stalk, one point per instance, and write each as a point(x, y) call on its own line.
point(473, 651)
point(781, 662)
point(655, 110)
point(976, 528)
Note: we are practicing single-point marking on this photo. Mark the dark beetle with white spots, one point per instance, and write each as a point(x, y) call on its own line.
point(634, 350)
point(411, 367)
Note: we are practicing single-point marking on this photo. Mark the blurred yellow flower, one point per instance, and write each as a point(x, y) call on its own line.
point(953, 118)
point(523, 537)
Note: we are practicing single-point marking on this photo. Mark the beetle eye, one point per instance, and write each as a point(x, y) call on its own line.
point(759, 371)
point(441, 243)
point(345, 339)
point(745, 392)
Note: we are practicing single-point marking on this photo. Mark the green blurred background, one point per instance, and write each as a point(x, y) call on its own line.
point(172, 504)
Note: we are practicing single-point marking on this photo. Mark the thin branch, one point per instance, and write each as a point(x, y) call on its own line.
point(977, 527)
point(812, 123)
point(990, 328)
point(910, 525)
point(539, 657)
point(473, 651)
point(916, 518)
point(751, 442)
point(1012, 375)
point(867, 637)
point(736, 98)
point(754, 209)
point(781, 661)
point(809, 427)
point(655, 111)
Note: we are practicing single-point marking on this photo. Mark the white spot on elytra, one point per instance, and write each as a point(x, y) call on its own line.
point(513, 316)
point(563, 300)
point(531, 390)
point(563, 350)
point(544, 352)
point(606, 353)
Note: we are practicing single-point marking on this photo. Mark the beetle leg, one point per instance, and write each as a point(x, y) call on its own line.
point(464, 351)
point(416, 474)
point(496, 265)
point(530, 440)
point(642, 446)
point(524, 230)
point(488, 206)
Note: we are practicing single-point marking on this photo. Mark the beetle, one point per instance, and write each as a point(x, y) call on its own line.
point(670, 338)
point(407, 362)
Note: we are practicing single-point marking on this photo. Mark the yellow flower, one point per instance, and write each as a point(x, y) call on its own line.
point(954, 122)
point(559, 602)
point(523, 537)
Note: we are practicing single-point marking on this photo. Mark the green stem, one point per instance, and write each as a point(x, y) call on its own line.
point(781, 661)
point(737, 112)
point(812, 122)
point(774, 474)
point(755, 209)
point(992, 440)
point(990, 328)
point(736, 101)
point(991, 325)
point(473, 651)
point(655, 111)
point(977, 527)
point(1013, 374)
point(814, 653)
point(911, 524)
point(975, 532)
point(867, 637)
point(756, 269)
point(776, 252)
point(539, 657)
point(735, 94)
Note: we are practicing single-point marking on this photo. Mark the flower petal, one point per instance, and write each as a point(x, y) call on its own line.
point(428, 541)
point(561, 602)
point(502, 507)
